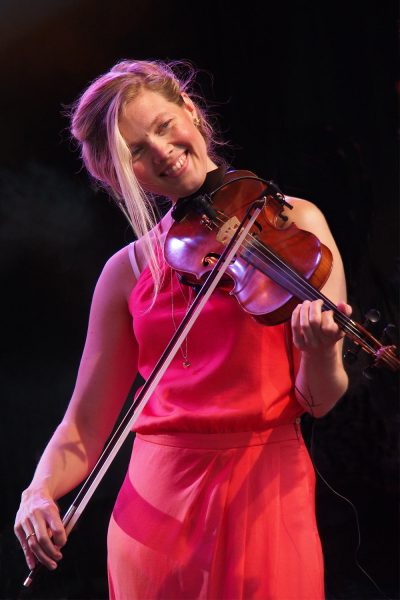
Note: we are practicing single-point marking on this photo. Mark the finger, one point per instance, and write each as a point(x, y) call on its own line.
point(329, 328)
point(315, 316)
point(45, 534)
point(29, 556)
point(32, 548)
point(345, 308)
point(59, 536)
point(298, 339)
point(35, 545)
point(305, 326)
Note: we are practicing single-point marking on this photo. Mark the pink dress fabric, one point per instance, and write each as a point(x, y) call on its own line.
point(218, 501)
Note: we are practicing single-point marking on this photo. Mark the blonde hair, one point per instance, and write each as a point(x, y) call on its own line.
point(95, 125)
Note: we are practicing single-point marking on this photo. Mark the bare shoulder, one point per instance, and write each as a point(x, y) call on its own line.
point(306, 215)
point(117, 278)
point(304, 212)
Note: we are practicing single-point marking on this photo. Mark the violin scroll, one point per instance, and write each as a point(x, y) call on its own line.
point(382, 353)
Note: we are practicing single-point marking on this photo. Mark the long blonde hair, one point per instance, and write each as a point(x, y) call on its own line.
point(95, 125)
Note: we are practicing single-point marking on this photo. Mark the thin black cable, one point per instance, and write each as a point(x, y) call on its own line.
point(355, 512)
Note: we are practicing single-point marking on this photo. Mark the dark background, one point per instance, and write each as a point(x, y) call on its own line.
point(307, 93)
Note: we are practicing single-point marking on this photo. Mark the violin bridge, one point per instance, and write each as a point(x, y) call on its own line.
point(226, 231)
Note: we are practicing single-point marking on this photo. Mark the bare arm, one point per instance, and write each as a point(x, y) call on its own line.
point(321, 379)
point(107, 369)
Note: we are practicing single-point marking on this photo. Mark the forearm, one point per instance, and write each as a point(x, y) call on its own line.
point(321, 380)
point(65, 462)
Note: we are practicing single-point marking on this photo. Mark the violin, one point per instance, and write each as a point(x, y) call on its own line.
point(276, 267)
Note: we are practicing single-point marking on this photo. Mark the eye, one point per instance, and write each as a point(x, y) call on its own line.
point(164, 126)
point(136, 151)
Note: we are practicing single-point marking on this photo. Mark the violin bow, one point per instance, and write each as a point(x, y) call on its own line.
point(121, 433)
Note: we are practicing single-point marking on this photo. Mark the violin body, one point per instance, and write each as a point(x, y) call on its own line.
point(192, 247)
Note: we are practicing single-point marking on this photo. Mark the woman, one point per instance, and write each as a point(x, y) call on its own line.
point(218, 501)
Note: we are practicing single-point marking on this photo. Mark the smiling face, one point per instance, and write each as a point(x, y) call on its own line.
point(169, 154)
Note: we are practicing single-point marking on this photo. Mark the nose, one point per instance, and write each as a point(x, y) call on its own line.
point(161, 150)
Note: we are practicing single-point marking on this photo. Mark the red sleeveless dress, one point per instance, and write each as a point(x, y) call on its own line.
point(218, 501)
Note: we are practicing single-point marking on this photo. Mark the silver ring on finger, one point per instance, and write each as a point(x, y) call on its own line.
point(29, 535)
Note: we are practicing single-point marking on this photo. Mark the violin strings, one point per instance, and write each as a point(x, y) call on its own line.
point(302, 286)
point(307, 291)
point(347, 324)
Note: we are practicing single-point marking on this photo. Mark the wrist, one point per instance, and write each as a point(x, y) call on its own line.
point(41, 488)
point(328, 355)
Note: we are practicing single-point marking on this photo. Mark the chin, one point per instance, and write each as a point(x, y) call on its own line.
point(194, 184)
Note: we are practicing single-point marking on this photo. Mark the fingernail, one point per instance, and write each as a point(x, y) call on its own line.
point(31, 564)
point(59, 556)
point(53, 566)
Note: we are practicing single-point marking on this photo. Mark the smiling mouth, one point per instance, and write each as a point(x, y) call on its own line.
point(175, 169)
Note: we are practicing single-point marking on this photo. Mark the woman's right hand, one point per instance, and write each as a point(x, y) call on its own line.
point(39, 528)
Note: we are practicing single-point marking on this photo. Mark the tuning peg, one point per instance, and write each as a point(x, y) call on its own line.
point(389, 333)
point(350, 356)
point(371, 317)
point(369, 372)
point(388, 337)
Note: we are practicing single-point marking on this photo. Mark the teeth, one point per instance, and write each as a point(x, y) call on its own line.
point(178, 165)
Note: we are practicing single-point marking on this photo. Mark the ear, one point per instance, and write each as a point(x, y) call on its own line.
point(188, 104)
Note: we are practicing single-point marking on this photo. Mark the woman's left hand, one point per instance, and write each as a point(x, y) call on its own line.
point(315, 330)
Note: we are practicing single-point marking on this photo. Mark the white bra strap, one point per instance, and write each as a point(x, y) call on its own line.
point(133, 259)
